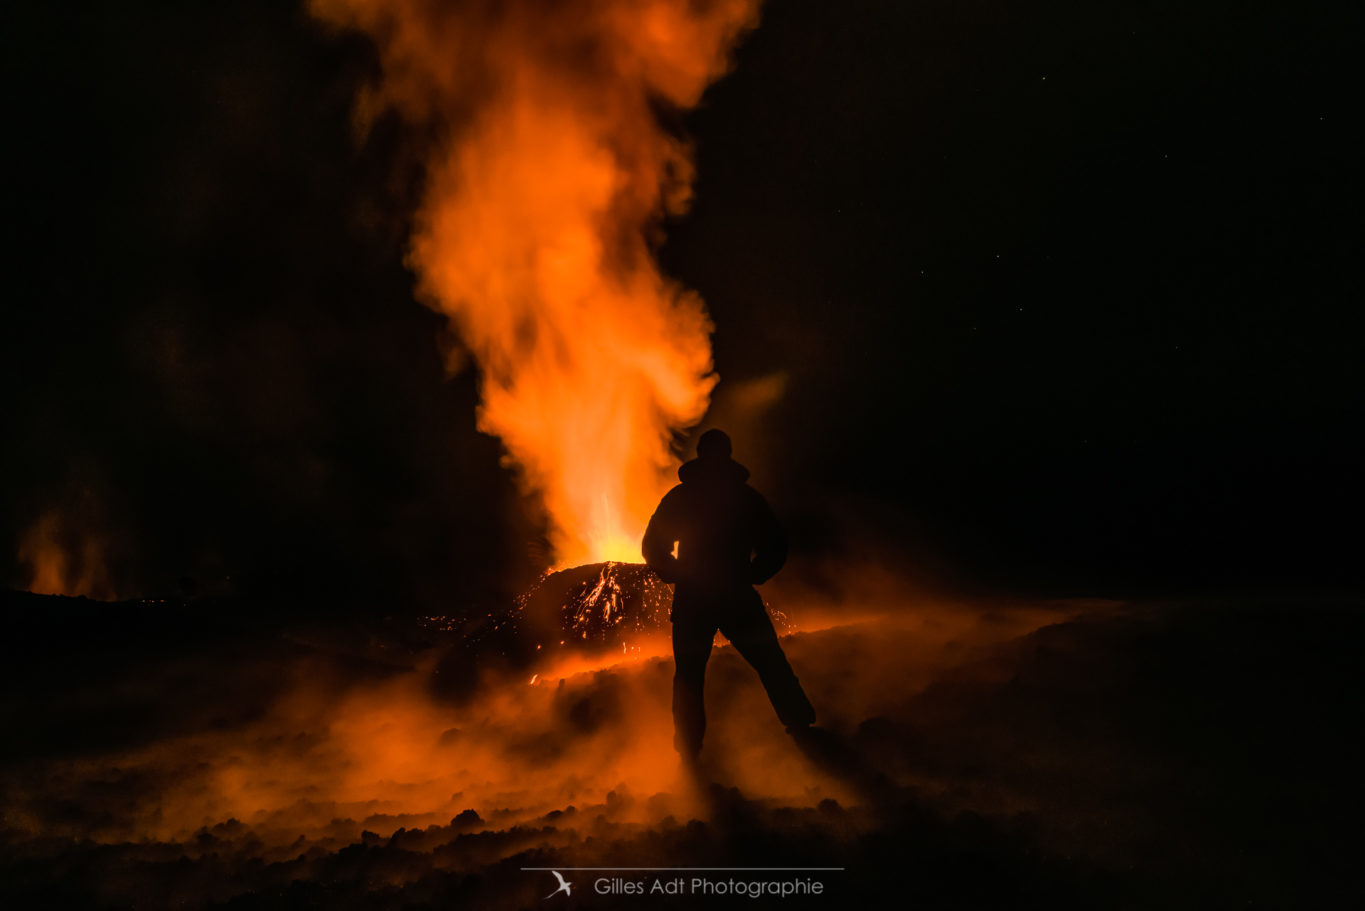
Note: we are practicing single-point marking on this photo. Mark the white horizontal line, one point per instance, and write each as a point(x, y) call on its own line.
point(638, 869)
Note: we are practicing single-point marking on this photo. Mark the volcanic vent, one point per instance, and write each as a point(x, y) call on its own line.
point(599, 606)
point(604, 606)
point(593, 612)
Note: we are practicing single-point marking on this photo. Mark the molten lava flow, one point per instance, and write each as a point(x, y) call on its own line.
point(536, 230)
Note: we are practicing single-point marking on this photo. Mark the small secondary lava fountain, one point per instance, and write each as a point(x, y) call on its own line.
point(536, 233)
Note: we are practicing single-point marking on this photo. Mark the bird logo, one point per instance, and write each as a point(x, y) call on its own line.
point(563, 886)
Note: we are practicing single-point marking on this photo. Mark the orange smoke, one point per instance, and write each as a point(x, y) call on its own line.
point(61, 561)
point(536, 231)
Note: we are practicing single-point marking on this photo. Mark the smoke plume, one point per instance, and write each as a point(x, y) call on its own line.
point(543, 199)
point(63, 556)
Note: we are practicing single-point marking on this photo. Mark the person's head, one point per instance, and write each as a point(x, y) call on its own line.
point(714, 444)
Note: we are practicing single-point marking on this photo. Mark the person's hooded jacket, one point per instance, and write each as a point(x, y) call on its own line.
point(726, 535)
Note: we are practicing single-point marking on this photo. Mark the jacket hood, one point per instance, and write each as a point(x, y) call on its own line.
point(712, 469)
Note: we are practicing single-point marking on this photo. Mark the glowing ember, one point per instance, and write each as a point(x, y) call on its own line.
point(601, 604)
point(537, 231)
point(590, 610)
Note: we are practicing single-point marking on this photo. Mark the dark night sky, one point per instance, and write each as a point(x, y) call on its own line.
point(1068, 299)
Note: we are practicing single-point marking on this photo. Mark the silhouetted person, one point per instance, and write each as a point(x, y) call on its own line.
point(727, 542)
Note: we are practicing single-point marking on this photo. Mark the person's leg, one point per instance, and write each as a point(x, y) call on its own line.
point(751, 633)
point(692, 637)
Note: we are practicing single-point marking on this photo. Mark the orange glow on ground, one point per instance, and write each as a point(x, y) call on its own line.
point(340, 753)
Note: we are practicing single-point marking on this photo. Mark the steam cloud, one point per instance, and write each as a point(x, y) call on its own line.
point(542, 203)
point(64, 558)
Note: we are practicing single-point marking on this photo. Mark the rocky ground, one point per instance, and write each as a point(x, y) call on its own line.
point(968, 755)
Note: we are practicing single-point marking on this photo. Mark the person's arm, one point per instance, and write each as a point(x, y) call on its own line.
point(770, 544)
point(660, 537)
